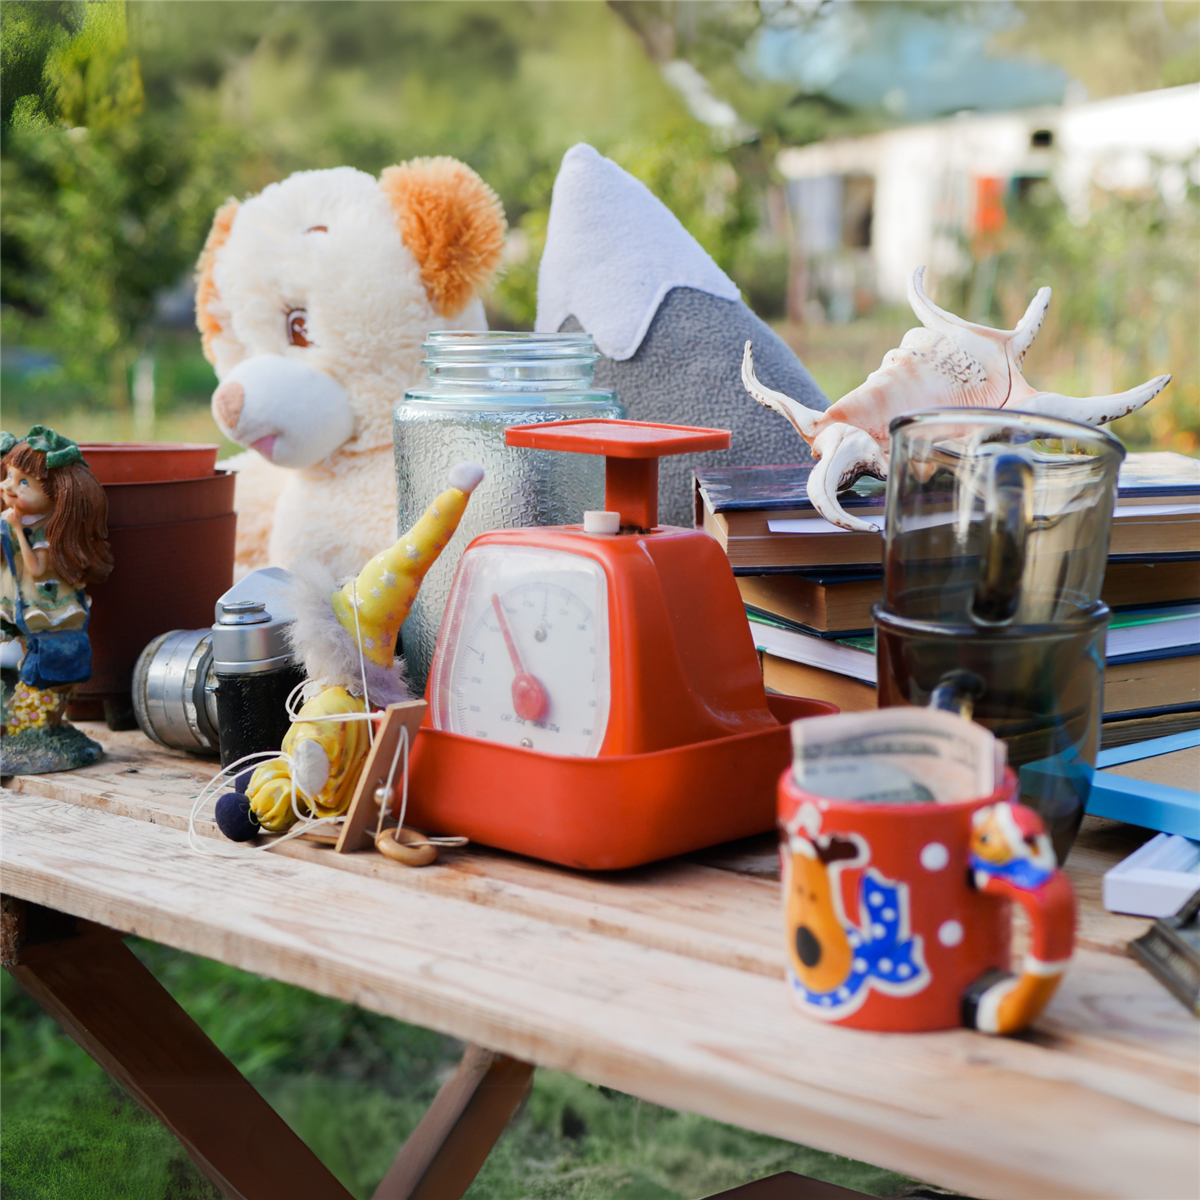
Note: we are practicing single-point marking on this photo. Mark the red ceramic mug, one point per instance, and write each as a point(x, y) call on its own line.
point(898, 916)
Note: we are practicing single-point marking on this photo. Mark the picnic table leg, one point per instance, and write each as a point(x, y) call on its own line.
point(446, 1150)
point(85, 977)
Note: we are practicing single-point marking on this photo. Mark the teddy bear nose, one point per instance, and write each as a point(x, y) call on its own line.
point(227, 403)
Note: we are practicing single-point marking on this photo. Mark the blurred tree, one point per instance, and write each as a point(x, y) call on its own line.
point(94, 78)
point(103, 203)
point(124, 126)
point(29, 32)
point(1125, 307)
point(1113, 47)
point(126, 137)
point(506, 86)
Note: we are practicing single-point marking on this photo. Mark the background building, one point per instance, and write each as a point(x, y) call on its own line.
point(866, 210)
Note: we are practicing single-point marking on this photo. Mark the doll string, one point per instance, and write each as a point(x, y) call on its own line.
point(362, 666)
point(290, 703)
point(402, 747)
point(206, 793)
point(305, 822)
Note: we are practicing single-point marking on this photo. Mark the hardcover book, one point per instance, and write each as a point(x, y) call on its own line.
point(838, 600)
point(763, 518)
point(1152, 656)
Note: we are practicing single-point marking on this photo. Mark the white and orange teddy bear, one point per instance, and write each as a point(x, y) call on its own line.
point(313, 299)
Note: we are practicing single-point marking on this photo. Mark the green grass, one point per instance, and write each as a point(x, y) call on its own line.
point(352, 1085)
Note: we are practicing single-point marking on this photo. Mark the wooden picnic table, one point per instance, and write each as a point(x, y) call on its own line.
point(664, 982)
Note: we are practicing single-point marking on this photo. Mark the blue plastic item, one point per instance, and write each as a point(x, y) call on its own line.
point(1135, 801)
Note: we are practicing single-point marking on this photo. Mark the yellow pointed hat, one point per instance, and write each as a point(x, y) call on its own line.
point(387, 586)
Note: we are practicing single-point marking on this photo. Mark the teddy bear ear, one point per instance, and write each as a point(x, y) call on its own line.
point(451, 222)
point(208, 300)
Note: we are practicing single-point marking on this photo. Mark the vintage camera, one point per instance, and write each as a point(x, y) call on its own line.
point(223, 689)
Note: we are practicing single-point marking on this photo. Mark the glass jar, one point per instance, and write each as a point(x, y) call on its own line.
point(479, 384)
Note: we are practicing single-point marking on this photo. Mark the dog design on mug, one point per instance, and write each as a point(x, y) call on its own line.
point(833, 962)
point(1011, 856)
point(1010, 840)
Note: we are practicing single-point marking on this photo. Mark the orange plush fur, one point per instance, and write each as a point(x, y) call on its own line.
point(453, 224)
point(206, 289)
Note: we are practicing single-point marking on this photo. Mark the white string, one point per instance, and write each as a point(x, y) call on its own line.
point(362, 666)
point(206, 845)
point(296, 717)
point(291, 698)
point(385, 804)
point(294, 713)
point(306, 822)
point(304, 826)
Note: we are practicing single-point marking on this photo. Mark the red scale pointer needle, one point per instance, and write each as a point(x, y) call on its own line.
point(528, 696)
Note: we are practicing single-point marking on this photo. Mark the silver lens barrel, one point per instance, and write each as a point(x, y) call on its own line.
point(171, 697)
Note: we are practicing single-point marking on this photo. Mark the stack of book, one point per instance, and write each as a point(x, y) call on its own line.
point(808, 587)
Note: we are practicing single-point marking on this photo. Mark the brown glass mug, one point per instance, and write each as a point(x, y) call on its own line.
point(1039, 687)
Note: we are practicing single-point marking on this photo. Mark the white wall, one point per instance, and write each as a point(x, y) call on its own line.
point(924, 174)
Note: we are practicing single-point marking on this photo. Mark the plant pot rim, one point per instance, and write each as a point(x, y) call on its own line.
point(160, 446)
point(149, 462)
point(144, 483)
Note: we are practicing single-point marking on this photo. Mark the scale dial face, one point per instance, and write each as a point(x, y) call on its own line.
point(523, 656)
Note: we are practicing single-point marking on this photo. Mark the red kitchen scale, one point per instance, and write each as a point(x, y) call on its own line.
point(595, 698)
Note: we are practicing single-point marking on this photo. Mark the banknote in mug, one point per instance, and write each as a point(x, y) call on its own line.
point(902, 844)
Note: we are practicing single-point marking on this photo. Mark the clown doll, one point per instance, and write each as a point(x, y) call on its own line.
point(346, 635)
point(54, 528)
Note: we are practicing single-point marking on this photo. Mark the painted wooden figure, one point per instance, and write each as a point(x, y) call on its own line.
point(54, 530)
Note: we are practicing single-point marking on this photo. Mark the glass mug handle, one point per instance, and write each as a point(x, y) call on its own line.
point(1008, 515)
point(1011, 858)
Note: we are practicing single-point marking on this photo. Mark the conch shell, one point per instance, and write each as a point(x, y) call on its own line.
point(949, 363)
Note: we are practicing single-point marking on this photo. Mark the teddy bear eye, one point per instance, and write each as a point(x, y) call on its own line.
point(297, 327)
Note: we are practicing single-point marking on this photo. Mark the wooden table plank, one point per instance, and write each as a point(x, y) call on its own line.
point(724, 912)
point(1077, 1110)
point(681, 907)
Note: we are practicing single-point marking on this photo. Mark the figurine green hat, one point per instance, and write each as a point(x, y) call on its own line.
point(59, 451)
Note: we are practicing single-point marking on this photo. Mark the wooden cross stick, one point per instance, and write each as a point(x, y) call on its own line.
point(358, 829)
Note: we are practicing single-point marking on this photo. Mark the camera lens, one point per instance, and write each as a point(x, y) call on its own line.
point(172, 696)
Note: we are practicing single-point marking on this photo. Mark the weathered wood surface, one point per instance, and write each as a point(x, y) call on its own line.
point(718, 905)
point(661, 982)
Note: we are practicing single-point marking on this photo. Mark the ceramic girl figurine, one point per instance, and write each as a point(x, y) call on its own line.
point(54, 530)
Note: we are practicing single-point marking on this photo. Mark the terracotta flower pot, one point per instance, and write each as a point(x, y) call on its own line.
point(149, 462)
point(172, 540)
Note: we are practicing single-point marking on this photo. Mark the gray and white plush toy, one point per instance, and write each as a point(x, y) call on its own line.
point(669, 324)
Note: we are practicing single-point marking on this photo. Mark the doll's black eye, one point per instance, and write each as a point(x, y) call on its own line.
point(297, 327)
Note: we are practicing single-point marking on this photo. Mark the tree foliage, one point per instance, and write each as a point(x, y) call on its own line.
point(126, 125)
point(1126, 307)
point(103, 202)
